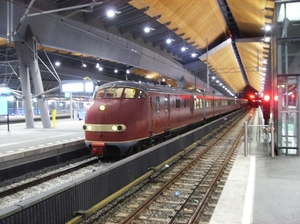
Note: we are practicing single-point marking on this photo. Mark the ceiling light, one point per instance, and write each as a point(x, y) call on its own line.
point(97, 65)
point(100, 68)
point(194, 55)
point(110, 13)
point(127, 71)
point(267, 39)
point(147, 29)
point(169, 40)
point(116, 71)
point(267, 27)
point(57, 63)
point(183, 48)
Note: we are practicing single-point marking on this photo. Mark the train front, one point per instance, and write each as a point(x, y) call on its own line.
point(116, 119)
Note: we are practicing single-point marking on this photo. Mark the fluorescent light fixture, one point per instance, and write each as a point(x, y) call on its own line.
point(57, 63)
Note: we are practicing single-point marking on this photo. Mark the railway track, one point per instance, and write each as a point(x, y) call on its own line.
point(66, 170)
point(183, 192)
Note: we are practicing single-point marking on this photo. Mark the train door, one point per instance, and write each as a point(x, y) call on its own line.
point(167, 110)
point(213, 106)
point(150, 116)
point(192, 104)
point(204, 107)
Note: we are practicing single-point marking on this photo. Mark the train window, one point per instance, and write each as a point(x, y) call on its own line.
point(157, 104)
point(184, 103)
point(129, 93)
point(166, 104)
point(141, 94)
point(200, 103)
point(113, 93)
point(99, 94)
point(177, 103)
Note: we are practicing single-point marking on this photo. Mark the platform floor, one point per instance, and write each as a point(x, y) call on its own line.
point(19, 138)
point(260, 189)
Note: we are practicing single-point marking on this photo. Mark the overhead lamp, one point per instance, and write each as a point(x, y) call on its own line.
point(268, 27)
point(97, 65)
point(194, 55)
point(147, 29)
point(169, 40)
point(57, 63)
point(83, 65)
point(111, 13)
point(100, 68)
point(127, 71)
point(116, 71)
point(183, 48)
point(267, 39)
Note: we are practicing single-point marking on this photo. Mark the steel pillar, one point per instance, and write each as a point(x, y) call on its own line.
point(25, 82)
point(37, 82)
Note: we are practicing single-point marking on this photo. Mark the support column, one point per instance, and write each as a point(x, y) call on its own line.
point(25, 81)
point(37, 82)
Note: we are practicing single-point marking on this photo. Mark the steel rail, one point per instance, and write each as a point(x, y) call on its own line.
point(48, 177)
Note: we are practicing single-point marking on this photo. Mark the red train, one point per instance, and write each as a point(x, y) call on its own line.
point(127, 117)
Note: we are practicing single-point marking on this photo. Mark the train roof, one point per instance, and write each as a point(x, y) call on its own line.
point(149, 87)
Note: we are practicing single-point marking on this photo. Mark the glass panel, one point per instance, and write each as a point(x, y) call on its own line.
point(129, 93)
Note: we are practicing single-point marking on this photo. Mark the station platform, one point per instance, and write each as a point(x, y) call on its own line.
point(260, 189)
point(18, 141)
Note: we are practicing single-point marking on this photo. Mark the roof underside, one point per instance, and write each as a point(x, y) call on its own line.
point(227, 36)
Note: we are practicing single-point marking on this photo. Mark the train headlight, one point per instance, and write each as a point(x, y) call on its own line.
point(102, 107)
point(89, 127)
point(117, 128)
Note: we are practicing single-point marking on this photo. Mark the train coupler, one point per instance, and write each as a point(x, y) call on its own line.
point(98, 148)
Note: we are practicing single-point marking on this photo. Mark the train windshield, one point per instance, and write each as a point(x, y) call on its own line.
point(120, 92)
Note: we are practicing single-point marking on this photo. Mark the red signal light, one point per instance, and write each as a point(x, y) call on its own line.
point(266, 98)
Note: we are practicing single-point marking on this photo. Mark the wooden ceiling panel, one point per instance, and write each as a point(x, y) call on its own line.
point(189, 18)
point(223, 60)
point(250, 15)
point(252, 57)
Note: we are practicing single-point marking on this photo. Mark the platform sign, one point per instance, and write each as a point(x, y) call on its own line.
point(3, 105)
point(76, 86)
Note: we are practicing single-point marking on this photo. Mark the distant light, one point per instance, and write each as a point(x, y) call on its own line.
point(127, 71)
point(267, 39)
point(116, 71)
point(83, 65)
point(194, 55)
point(183, 49)
point(266, 98)
point(110, 13)
point(97, 65)
point(168, 40)
point(147, 29)
point(57, 63)
point(100, 68)
point(268, 28)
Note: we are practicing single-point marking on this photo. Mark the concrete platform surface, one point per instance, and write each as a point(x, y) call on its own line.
point(260, 189)
point(19, 138)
